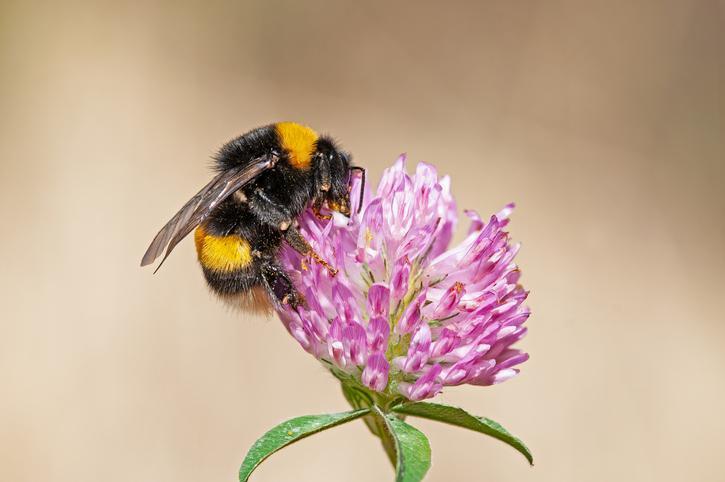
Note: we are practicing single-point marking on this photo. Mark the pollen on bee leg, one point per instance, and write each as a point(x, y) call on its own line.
point(299, 244)
point(325, 264)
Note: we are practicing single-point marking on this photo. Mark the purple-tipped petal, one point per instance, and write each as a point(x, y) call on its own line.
point(337, 353)
point(476, 221)
point(298, 332)
point(419, 350)
point(447, 341)
point(411, 317)
point(378, 332)
point(400, 279)
point(426, 386)
point(375, 374)
point(449, 301)
point(354, 340)
point(505, 212)
point(378, 300)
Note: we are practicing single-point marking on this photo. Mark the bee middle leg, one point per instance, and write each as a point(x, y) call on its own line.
point(274, 214)
point(295, 239)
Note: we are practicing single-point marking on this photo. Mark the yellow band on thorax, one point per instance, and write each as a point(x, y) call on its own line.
point(299, 142)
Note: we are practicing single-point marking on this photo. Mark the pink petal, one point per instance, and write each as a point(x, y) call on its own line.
point(375, 374)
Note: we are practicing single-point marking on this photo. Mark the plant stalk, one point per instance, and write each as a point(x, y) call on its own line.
point(374, 422)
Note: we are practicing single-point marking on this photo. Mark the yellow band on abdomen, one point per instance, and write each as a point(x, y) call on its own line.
point(222, 253)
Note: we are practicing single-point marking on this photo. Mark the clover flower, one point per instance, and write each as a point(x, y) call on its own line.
point(406, 314)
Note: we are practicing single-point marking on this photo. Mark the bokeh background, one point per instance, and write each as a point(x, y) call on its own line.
point(603, 120)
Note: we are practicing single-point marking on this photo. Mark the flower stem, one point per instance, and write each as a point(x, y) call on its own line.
point(360, 399)
point(387, 442)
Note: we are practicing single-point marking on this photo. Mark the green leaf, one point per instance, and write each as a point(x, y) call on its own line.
point(411, 448)
point(289, 432)
point(461, 418)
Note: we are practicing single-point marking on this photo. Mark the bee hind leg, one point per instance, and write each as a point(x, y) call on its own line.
point(280, 288)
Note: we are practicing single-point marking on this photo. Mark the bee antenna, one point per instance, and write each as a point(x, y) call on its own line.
point(362, 185)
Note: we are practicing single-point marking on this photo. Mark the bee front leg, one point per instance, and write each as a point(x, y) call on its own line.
point(295, 239)
point(279, 286)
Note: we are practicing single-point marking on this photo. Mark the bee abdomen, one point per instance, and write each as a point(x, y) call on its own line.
point(222, 254)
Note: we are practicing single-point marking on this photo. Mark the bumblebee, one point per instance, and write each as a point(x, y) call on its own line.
point(265, 179)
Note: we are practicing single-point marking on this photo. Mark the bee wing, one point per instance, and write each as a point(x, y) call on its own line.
point(201, 205)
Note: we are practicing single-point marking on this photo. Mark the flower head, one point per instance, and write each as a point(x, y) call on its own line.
point(406, 315)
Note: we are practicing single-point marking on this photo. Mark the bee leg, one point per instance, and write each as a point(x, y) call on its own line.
point(295, 239)
point(316, 210)
point(280, 287)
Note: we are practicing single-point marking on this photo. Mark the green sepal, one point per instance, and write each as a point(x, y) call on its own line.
point(355, 397)
point(461, 418)
point(290, 432)
point(410, 448)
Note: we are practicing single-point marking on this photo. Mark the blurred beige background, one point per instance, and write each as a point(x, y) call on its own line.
point(604, 121)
